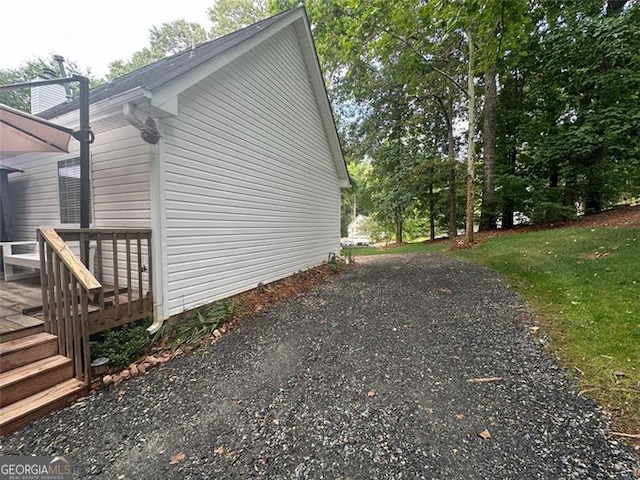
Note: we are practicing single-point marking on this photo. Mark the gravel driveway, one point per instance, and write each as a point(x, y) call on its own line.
point(364, 376)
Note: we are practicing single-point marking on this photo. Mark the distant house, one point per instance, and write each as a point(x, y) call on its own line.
point(358, 230)
point(242, 186)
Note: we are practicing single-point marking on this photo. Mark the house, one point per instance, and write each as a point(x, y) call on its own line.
point(358, 230)
point(244, 183)
point(212, 171)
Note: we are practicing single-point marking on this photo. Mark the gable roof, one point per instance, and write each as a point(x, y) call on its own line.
point(165, 70)
point(162, 80)
point(359, 219)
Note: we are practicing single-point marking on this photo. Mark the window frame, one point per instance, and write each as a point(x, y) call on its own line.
point(70, 215)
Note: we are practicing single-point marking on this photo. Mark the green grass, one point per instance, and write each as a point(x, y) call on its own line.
point(415, 247)
point(585, 284)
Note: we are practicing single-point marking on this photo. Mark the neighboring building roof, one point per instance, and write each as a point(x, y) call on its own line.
point(359, 219)
point(165, 70)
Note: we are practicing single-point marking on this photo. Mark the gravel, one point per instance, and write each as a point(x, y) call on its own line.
point(363, 376)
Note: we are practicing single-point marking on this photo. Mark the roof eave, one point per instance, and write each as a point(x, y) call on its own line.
point(106, 108)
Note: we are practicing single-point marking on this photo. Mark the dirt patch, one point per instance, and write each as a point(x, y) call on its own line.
point(273, 293)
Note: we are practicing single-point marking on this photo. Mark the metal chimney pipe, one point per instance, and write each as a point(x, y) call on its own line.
point(63, 73)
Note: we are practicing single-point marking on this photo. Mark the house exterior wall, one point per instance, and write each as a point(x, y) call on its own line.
point(119, 183)
point(251, 190)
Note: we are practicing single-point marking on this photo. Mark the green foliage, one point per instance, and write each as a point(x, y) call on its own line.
point(551, 212)
point(230, 15)
point(196, 327)
point(584, 281)
point(168, 39)
point(122, 345)
point(31, 70)
point(415, 247)
point(577, 89)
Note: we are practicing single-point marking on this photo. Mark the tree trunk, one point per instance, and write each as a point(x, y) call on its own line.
point(451, 154)
point(488, 212)
point(507, 212)
point(432, 213)
point(398, 220)
point(471, 93)
point(354, 205)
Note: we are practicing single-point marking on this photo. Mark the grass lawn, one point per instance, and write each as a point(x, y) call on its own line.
point(585, 284)
point(415, 247)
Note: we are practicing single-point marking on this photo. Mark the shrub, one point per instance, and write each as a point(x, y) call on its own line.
point(122, 345)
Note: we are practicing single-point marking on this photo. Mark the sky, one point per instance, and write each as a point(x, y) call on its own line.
point(93, 33)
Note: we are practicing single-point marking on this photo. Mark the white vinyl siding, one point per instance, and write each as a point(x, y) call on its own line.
point(252, 193)
point(119, 185)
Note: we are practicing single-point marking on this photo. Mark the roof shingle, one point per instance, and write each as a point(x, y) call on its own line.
point(165, 70)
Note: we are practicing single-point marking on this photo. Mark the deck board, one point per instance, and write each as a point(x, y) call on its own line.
point(14, 297)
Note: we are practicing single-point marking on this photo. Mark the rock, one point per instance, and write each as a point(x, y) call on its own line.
point(164, 358)
point(125, 374)
point(151, 359)
point(217, 333)
point(107, 380)
point(142, 368)
point(134, 371)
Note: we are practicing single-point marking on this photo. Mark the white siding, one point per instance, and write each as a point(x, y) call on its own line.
point(252, 193)
point(120, 185)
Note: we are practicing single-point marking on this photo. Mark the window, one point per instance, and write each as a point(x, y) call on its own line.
point(69, 188)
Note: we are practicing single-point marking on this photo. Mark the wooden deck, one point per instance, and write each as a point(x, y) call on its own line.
point(45, 327)
point(15, 297)
point(18, 296)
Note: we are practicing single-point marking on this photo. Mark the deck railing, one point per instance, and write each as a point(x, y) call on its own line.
point(111, 284)
point(120, 259)
point(66, 287)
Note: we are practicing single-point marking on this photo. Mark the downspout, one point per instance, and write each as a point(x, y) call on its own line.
point(150, 134)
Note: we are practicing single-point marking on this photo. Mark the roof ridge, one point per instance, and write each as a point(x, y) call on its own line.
point(202, 44)
point(164, 70)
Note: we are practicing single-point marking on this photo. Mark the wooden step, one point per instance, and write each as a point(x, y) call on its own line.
point(18, 326)
point(24, 381)
point(37, 405)
point(22, 351)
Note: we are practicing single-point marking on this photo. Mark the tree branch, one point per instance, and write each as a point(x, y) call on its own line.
point(428, 62)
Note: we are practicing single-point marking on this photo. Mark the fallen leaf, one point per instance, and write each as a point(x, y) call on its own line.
point(484, 379)
point(485, 434)
point(177, 458)
point(371, 393)
point(219, 450)
point(460, 416)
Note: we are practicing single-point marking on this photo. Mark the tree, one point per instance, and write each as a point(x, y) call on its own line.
point(230, 15)
point(168, 39)
point(31, 70)
point(577, 84)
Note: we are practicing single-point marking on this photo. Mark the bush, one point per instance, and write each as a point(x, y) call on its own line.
point(122, 345)
point(194, 328)
point(552, 212)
